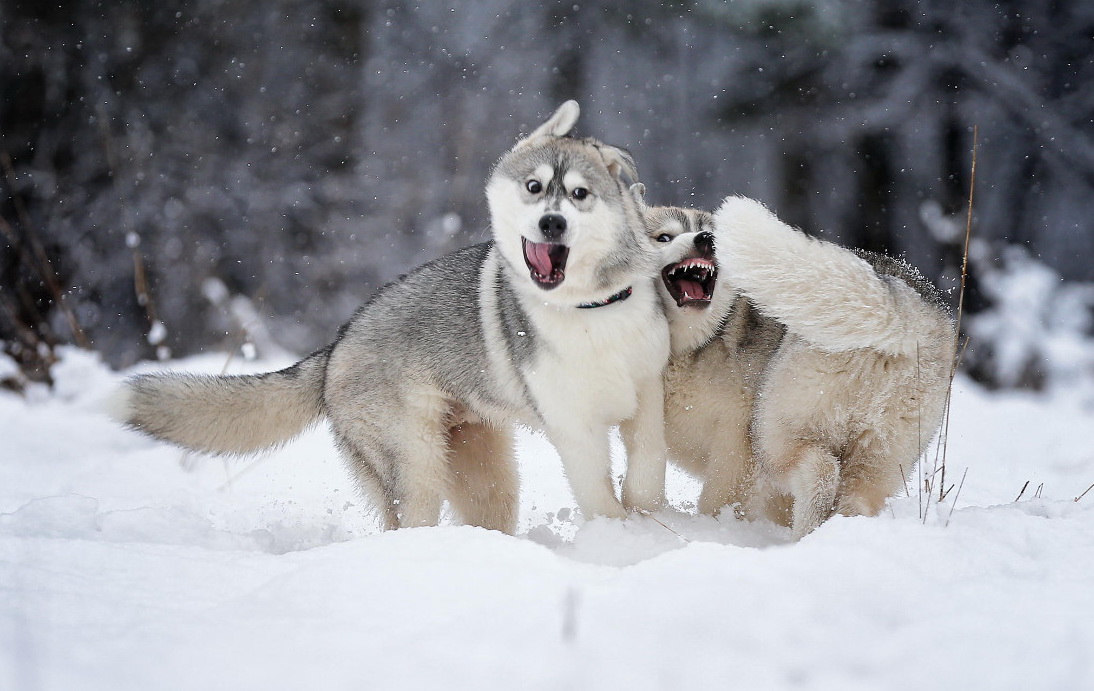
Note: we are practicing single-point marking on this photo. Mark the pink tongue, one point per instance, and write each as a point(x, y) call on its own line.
point(539, 257)
point(692, 290)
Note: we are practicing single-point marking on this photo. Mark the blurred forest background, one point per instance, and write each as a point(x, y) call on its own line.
point(181, 175)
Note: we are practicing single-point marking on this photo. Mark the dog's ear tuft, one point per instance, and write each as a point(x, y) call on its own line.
point(619, 162)
point(558, 125)
point(638, 191)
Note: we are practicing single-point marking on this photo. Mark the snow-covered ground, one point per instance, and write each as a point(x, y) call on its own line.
point(126, 565)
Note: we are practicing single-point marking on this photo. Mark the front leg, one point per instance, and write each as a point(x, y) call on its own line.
point(586, 458)
point(644, 438)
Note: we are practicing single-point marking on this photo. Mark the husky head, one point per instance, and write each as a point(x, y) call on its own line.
point(695, 300)
point(562, 215)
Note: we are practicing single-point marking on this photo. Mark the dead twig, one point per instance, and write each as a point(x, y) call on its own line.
point(1022, 492)
point(946, 493)
point(958, 350)
point(928, 489)
point(36, 257)
point(658, 522)
point(25, 300)
point(968, 236)
point(1084, 492)
point(955, 498)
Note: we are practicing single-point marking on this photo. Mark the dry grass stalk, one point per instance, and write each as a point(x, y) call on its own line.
point(658, 522)
point(958, 349)
point(25, 300)
point(1084, 492)
point(36, 257)
point(1022, 492)
point(140, 285)
point(955, 497)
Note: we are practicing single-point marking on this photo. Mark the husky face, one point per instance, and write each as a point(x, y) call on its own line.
point(695, 296)
point(689, 272)
point(684, 242)
point(561, 214)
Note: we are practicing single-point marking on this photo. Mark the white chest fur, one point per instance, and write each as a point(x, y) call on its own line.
point(593, 361)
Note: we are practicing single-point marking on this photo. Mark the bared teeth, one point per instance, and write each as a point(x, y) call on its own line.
point(701, 269)
point(691, 282)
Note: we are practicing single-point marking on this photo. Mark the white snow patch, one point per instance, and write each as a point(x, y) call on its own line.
point(9, 368)
point(126, 564)
point(157, 333)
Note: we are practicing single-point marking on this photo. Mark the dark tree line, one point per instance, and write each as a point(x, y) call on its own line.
point(171, 167)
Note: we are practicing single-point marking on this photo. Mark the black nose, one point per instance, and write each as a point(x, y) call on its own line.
point(552, 226)
point(704, 243)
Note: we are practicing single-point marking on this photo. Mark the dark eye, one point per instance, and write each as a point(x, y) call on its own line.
point(579, 193)
point(664, 237)
point(533, 186)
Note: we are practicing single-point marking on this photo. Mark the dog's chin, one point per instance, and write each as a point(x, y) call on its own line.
point(546, 263)
point(695, 305)
point(691, 282)
point(550, 282)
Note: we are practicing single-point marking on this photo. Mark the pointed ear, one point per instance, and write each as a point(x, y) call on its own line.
point(558, 125)
point(638, 191)
point(619, 162)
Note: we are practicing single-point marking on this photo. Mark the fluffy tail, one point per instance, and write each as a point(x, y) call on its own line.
point(828, 295)
point(226, 414)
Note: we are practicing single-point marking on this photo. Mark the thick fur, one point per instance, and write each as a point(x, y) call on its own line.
point(814, 377)
point(424, 383)
point(232, 414)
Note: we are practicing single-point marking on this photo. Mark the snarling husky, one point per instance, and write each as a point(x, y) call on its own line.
point(555, 324)
point(801, 372)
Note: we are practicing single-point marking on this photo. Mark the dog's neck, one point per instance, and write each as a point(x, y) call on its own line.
point(617, 297)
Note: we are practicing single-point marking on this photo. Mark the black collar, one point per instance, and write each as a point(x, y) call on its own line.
point(618, 297)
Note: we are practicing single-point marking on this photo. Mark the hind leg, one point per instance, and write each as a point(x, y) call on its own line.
point(872, 471)
point(811, 475)
point(377, 487)
point(402, 464)
point(861, 499)
point(422, 471)
point(729, 474)
point(866, 484)
point(723, 486)
point(485, 482)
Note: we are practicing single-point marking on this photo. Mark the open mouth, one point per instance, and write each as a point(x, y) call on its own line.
point(546, 262)
point(691, 282)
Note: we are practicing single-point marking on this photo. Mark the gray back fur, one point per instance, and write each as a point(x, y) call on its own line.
point(433, 309)
point(892, 267)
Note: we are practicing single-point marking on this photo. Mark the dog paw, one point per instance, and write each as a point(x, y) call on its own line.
point(614, 510)
point(643, 502)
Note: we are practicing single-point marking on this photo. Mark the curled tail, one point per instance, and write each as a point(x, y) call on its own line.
point(226, 414)
point(833, 297)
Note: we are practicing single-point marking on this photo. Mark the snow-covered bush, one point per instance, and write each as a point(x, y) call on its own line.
point(1037, 333)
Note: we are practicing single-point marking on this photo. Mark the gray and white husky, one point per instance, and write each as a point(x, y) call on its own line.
point(556, 324)
point(801, 371)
